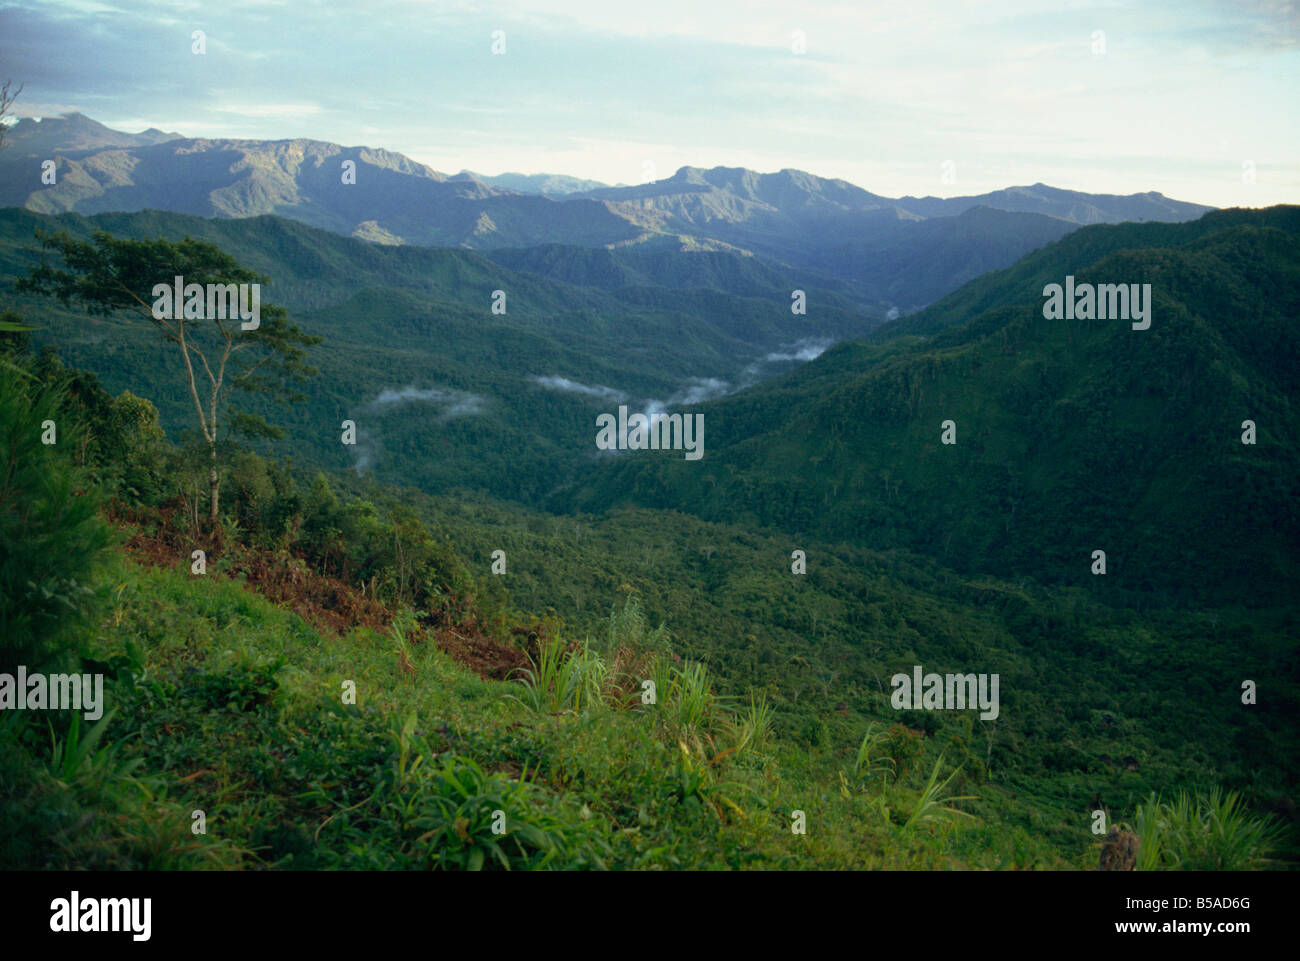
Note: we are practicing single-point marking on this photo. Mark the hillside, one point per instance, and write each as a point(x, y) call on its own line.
point(1072, 205)
point(916, 267)
point(75, 132)
point(1071, 436)
point(416, 356)
point(231, 687)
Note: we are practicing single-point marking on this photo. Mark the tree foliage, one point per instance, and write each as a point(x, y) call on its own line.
point(114, 276)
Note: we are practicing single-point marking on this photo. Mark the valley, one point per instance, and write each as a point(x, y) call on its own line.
point(1044, 522)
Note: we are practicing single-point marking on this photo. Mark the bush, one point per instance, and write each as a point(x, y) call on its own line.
point(902, 746)
point(1203, 833)
point(51, 536)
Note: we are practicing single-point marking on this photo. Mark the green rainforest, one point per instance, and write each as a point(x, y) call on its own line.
point(470, 639)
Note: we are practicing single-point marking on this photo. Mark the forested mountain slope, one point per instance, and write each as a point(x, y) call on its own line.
point(1071, 436)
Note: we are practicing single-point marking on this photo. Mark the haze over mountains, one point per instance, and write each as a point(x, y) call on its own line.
point(901, 252)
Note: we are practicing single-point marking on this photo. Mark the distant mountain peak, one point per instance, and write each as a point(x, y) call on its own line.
point(887, 247)
point(76, 131)
point(549, 185)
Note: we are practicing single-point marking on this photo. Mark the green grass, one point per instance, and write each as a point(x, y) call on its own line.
point(227, 710)
point(226, 704)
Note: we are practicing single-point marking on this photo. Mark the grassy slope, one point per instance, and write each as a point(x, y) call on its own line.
point(277, 772)
point(1168, 681)
point(269, 774)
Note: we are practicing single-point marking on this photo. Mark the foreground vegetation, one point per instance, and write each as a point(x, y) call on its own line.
point(488, 731)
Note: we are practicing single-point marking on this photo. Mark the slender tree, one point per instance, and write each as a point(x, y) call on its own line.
point(115, 276)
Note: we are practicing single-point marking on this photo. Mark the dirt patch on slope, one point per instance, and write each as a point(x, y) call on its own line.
point(487, 658)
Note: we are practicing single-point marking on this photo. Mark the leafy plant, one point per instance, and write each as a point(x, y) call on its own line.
point(1208, 832)
point(756, 722)
point(696, 787)
point(453, 815)
point(239, 688)
point(560, 680)
point(77, 757)
point(691, 704)
point(902, 745)
point(51, 539)
point(930, 807)
point(403, 624)
point(870, 757)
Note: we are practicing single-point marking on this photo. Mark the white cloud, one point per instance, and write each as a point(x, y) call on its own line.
point(1009, 90)
point(457, 403)
point(803, 350)
point(573, 387)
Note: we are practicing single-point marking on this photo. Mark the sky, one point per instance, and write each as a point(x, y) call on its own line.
point(1192, 98)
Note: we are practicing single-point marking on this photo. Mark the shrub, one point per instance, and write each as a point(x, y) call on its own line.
point(1202, 833)
point(902, 746)
point(51, 537)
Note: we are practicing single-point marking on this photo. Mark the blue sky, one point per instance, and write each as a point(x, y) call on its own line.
point(1176, 97)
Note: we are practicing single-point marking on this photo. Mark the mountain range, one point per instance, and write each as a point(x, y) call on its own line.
point(1072, 436)
point(1065, 426)
point(903, 252)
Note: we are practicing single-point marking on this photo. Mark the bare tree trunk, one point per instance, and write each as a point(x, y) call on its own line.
point(215, 486)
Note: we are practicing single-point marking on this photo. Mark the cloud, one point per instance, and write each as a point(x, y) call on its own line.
point(700, 389)
point(802, 350)
point(696, 391)
point(453, 404)
point(458, 403)
point(573, 387)
point(1011, 92)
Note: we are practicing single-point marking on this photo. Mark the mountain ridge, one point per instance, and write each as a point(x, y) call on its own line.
point(793, 218)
